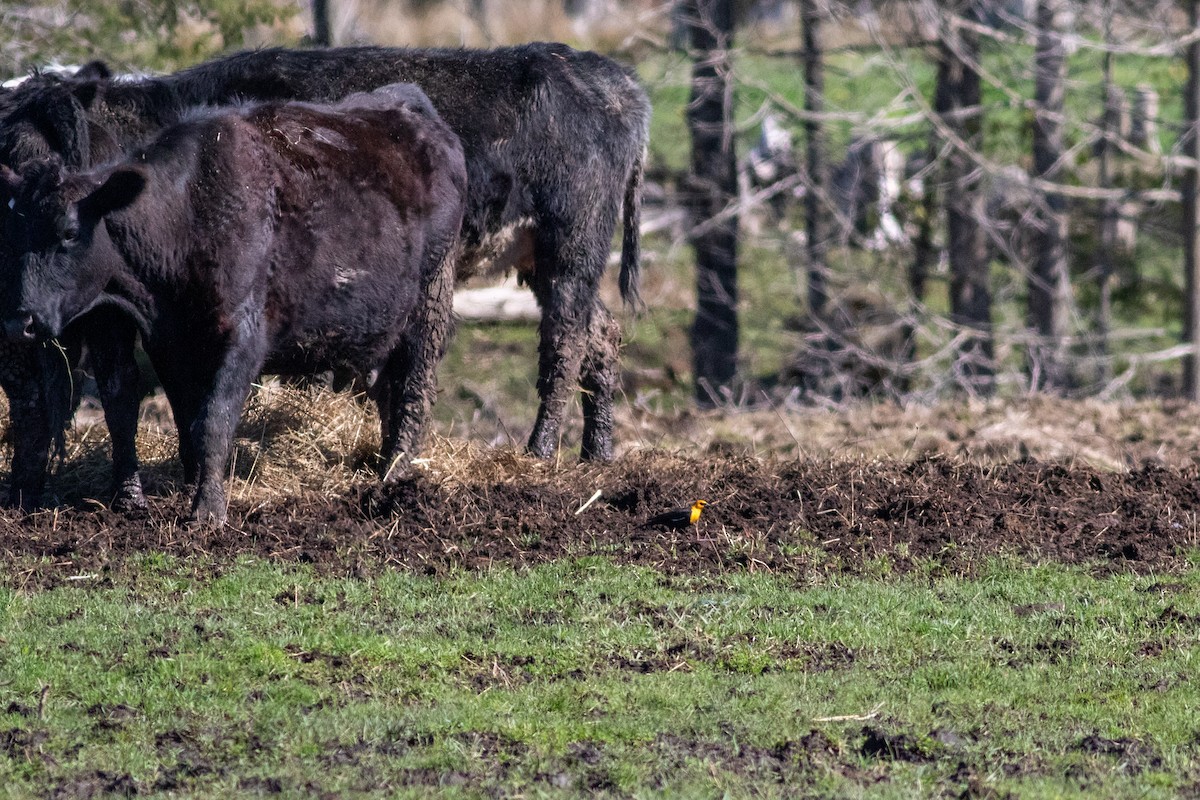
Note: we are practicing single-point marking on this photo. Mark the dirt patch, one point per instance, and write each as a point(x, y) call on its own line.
point(96, 784)
point(763, 515)
point(19, 744)
point(1133, 755)
point(888, 746)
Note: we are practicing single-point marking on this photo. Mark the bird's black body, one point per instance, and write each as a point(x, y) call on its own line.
point(677, 519)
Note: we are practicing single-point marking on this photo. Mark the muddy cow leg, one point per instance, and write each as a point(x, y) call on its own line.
point(30, 423)
point(212, 431)
point(600, 373)
point(563, 338)
point(111, 339)
point(569, 260)
point(410, 377)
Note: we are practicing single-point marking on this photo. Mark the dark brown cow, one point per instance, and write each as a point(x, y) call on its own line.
point(554, 140)
point(290, 237)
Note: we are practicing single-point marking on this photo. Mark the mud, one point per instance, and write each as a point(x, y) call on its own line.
point(788, 517)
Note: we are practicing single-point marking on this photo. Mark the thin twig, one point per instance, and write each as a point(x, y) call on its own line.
point(874, 712)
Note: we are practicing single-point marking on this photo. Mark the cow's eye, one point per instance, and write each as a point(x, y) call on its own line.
point(68, 233)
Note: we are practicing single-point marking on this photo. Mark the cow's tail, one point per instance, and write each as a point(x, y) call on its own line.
point(631, 242)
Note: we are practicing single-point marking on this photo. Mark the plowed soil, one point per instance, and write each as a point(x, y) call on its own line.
point(764, 514)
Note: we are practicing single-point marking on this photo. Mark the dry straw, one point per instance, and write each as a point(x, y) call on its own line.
point(306, 442)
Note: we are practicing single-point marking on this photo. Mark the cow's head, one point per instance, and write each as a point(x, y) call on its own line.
point(48, 114)
point(56, 258)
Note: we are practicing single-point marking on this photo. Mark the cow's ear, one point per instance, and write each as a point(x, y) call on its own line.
point(10, 182)
point(119, 190)
point(87, 81)
point(94, 71)
point(85, 93)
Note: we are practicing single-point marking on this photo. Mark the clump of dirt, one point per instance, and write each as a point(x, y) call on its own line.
point(797, 517)
point(1135, 755)
point(878, 743)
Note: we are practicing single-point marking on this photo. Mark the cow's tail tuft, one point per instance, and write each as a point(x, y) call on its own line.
point(631, 242)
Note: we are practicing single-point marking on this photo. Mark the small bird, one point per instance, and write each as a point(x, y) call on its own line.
point(678, 519)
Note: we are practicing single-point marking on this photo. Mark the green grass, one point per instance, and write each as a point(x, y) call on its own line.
point(584, 676)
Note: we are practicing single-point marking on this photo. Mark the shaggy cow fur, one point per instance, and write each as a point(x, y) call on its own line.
point(290, 237)
point(38, 380)
point(554, 141)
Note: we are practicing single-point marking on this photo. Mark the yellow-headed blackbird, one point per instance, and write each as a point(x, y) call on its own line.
point(678, 519)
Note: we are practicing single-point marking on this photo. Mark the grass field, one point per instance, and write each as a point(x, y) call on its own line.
point(168, 677)
point(832, 628)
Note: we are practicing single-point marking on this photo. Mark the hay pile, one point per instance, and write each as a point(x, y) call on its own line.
point(304, 443)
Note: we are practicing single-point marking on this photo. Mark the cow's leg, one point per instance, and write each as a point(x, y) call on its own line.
point(31, 454)
point(38, 382)
point(569, 260)
point(409, 383)
point(382, 393)
point(599, 382)
point(29, 423)
point(212, 431)
point(185, 415)
point(566, 313)
point(180, 387)
point(111, 339)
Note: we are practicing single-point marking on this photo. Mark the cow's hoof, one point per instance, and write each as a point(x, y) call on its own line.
point(395, 469)
point(25, 493)
point(540, 449)
point(205, 517)
point(597, 454)
point(129, 498)
point(22, 502)
point(209, 522)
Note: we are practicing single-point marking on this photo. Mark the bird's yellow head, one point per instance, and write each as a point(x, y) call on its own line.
point(697, 507)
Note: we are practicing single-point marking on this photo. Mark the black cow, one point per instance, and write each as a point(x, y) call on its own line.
point(38, 380)
point(284, 236)
point(554, 140)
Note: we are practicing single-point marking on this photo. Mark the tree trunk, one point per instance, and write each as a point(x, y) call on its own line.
point(970, 287)
point(924, 247)
point(322, 31)
point(712, 189)
point(1191, 210)
point(816, 214)
point(1108, 215)
point(1049, 280)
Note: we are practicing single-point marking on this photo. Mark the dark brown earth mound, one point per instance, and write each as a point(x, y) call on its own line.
point(787, 517)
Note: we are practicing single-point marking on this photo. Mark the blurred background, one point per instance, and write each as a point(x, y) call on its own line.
point(919, 204)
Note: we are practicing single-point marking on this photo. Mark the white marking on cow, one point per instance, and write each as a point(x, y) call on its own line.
point(12, 201)
point(66, 71)
point(507, 249)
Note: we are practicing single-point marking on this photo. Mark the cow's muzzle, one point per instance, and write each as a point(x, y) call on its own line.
point(20, 328)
